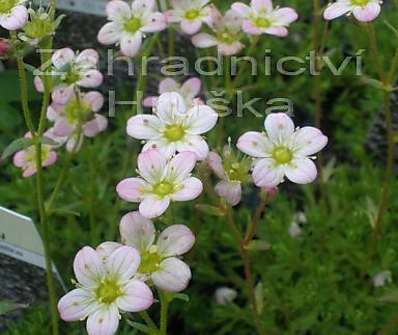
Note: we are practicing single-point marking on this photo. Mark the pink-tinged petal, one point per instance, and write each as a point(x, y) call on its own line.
point(117, 10)
point(180, 166)
point(74, 144)
point(191, 87)
point(142, 7)
point(86, 59)
point(191, 188)
point(249, 28)
point(170, 106)
point(131, 189)
point(308, 141)
point(168, 85)
point(62, 127)
point(233, 20)
point(173, 16)
point(200, 119)
point(255, 144)
point(175, 240)
point(137, 231)
point(137, 297)
point(190, 27)
point(203, 40)
point(231, 191)
point(29, 171)
point(105, 321)
point(152, 165)
point(63, 57)
point(16, 19)
point(165, 148)
point(285, 16)
point(91, 79)
point(106, 249)
point(336, 9)
point(38, 83)
point(88, 267)
point(154, 22)
point(173, 276)
point(196, 144)
point(94, 127)
point(230, 49)
point(277, 31)
point(266, 174)
point(144, 127)
point(241, 8)
point(131, 44)
point(61, 95)
point(149, 101)
point(301, 171)
point(52, 158)
point(95, 100)
point(19, 159)
point(367, 13)
point(123, 263)
point(261, 5)
point(152, 207)
point(76, 305)
point(279, 127)
point(215, 162)
point(52, 112)
point(109, 34)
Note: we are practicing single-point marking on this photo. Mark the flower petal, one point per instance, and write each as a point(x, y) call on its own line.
point(168, 85)
point(123, 262)
point(231, 191)
point(255, 144)
point(63, 57)
point(249, 28)
point(308, 141)
point(131, 44)
point(105, 249)
point(76, 305)
point(181, 166)
point(117, 10)
point(215, 162)
point(88, 267)
point(261, 5)
point(191, 87)
point(152, 207)
point(230, 49)
point(170, 107)
point(266, 174)
point(19, 159)
point(165, 148)
point(203, 40)
point(62, 94)
point(16, 19)
point(91, 79)
point(284, 16)
point(191, 188)
point(241, 8)
point(154, 22)
point(367, 13)
point(336, 9)
point(277, 31)
point(105, 321)
point(301, 171)
point(131, 189)
point(95, 126)
point(144, 127)
point(137, 231)
point(173, 276)
point(94, 99)
point(175, 240)
point(152, 165)
point(200, 119)
point(137, 297)
point(196, 144)
point(109, 34)
point(190, 27)
point(279, 127)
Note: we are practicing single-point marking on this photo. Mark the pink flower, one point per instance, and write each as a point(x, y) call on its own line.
point(161, 181)
point(363, 10)
point(226, 33)
point(190, 14)
point(105, 289)
point(129, 24)
point(72, 70)
point(173, 127)
point(189, 90)
point(77, 117)
point(13, 14)
point(232, 171)
point(26, 159)
point(262, 18)
point(282, 151)
point(160, 260)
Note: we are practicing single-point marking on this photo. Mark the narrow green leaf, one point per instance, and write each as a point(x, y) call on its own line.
point(259, 295)
point(13, 147)
point(7, 306)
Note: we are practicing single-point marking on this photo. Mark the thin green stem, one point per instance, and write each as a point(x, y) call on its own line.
point(150, 323)
point(164, 311)
point(252, 227)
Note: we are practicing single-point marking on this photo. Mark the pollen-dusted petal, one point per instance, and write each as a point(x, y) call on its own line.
point(173, 276)
point(241, 8)
point(336, 9)
point(123, 262)
point(131, 189)
point(367, 13)
point(91, 79)
point(279, 127)
point(109, 34)
point(175, 240)
point(200, 119)
point(152, 207)
point(16, 19)
point(231, 191)
point(196, 144)
point(191, 27)
point(181, 166)
point(301, 171)
point(76, 305)
point(255, 144)
point(152, 165)
point(170, 106)
point(204, 40)
point(104, 321)
point(191, 87)
point(137, 231)
point(105, 249)
point(191, 188)
point(88, 267)
point(137, 297)
point(266, 174)
point(131, 44)
point(308, 141)
point(144, 127)
point(154, 22)
point(261, 5)
point(168, 85)
point(117, 10)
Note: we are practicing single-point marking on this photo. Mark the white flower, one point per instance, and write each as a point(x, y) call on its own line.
point(382, 278)
point(282, 151)
point(13, 14)
point(363, 10)
point(105, 289)
point(162, 181)
point(160, 261)
point(129, 24)
point(225, 295)
point(173, 127)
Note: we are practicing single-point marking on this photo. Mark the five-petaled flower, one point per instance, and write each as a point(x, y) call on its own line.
point(162, 181)
point(282, 151)
point(129, 24)
point(174, 127)
point(261, 17)
point(363, 10)
point(190, 14)
point(105, 289)
point(13, 14)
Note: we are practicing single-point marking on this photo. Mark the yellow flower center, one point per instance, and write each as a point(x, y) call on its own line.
point(192, 14)
point(150, 261)
point(163, 189)
point(77, 111)
point(30, 155)
point(282, 155)
point(262, 22)
point(132, 25)
point(227, 37)
point(361, 3)
point(7, 5)
point(39, 28)
point(174, 132)
point(108, 291)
